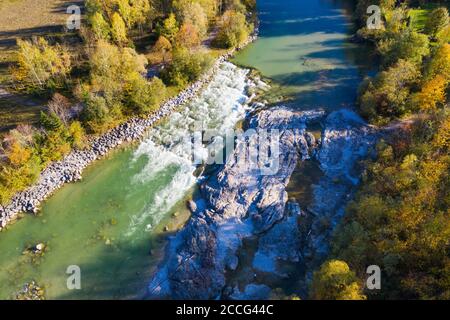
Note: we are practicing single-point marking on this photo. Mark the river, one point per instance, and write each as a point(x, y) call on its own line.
point(113, 223)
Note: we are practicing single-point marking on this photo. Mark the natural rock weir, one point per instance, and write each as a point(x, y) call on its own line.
point(71, 167)
point(238, 202)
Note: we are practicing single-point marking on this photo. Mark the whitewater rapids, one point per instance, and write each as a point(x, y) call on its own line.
point(168, 147)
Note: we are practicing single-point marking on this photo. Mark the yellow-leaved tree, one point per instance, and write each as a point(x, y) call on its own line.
point(40, 65)
point(432, 94)
point(118, 29)
point(335, 281)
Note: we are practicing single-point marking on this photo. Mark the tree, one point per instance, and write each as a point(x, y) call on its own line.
point(20, 166)
point(162, 49)
point(18, 155)
point(186, 67)
point(134, 11)
point(441, 139)
point(235, 5)
point(111, 69)
point(210, 7)
point(194, 14)
point(407, 45)
point(144, 96)
point(387, 95)
point(40, 65)
point(432, 94)
point(169, 28)
point(100, 28)
point(60, 106)
point(50, 121)
point(233, 30)
point(437, 21)
point(96, 114)
point(23, 133)
point(188, 36)
point(335, 281)
point(118, 29)
point(126, 12)
point(361, 9)
point(396, 19)
point(77, 135)
point(439, 64)
point(114, 71)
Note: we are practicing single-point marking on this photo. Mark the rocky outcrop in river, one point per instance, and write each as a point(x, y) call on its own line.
point(239, 202)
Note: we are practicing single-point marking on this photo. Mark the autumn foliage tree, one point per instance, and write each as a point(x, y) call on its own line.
point(40, 65)
point(387, 94)
point(431, 95)
point(335, 281)
point(162, 50)
point(188, 36)
point(100, 28)
point(169, 28)
point(437, 21)
point(118, 29)
point(233, 29)
point(193, 13)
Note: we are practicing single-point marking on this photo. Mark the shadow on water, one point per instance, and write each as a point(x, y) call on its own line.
point(293, 17)
point(304, 47)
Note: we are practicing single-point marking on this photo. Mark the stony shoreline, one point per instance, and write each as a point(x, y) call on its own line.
point(71, 167)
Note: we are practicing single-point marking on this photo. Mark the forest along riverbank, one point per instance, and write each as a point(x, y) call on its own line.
point(304, 48)
point(71, 167)
point(122, 211)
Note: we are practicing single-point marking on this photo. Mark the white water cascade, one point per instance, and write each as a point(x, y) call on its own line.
point(168, 147)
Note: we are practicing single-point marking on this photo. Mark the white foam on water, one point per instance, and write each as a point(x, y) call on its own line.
point(220, 106)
